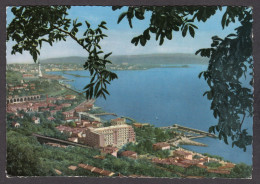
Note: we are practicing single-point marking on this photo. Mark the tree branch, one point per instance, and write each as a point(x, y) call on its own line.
point(71, 35)
point(242, 122)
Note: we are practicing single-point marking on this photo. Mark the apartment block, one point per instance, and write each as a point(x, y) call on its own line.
point(113, 135)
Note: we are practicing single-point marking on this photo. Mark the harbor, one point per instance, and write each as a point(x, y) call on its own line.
point(190, 130)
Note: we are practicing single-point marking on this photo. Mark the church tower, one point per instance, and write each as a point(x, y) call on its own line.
point(40, 72)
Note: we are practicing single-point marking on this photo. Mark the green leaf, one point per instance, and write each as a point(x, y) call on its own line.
point(184, 32)
point(212, 129)
point(169, 35)
point(34, 56)
point(161, 39)
point(191, 30)
point(97, 87)
point(200, 72)
point(105, 91)
point(223, 21)
point(142, 41)
point(107, 55)
point(121, 16)
point(88, 25)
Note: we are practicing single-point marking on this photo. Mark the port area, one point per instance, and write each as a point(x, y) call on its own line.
point(186, 135)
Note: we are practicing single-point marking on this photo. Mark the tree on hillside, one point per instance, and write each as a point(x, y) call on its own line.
point(23, 156)
point(229, 58)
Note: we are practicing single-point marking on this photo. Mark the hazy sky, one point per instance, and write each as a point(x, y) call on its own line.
point(120, 35)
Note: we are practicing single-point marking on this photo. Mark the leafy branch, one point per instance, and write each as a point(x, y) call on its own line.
point(34, 25)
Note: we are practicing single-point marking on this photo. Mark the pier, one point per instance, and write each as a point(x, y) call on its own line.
point(179, 127)
point(104, 114)
point(131, 119)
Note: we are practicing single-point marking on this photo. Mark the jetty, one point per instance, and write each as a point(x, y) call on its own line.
point(104, 114)
point(187, 129)
point(131, 119)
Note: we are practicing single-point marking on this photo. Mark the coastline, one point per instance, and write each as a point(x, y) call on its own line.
point(197, 148)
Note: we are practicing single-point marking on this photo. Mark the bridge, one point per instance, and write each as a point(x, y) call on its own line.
point(43, 139)
point(179, 127)
point(23, 99)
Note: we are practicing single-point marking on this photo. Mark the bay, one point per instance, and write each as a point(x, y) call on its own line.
point(163, 97)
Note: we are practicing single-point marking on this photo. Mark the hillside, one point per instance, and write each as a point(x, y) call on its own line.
point(138, 59)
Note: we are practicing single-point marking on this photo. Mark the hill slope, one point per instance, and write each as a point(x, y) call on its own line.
point(138, 59)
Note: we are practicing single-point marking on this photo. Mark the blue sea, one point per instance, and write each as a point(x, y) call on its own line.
point(163, 97)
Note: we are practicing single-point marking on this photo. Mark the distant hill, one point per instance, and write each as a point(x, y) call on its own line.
point(137, 59)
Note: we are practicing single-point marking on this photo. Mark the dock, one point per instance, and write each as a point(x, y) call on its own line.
point(131, 119)
point(179, 127)
point(104, 114)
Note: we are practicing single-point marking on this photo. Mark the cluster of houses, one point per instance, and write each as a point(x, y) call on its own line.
point(185, 159)
point(23, 86)
point(93, 169)
point(34, 69)
point(182, 159)
point(37, 104)
point(90, 131)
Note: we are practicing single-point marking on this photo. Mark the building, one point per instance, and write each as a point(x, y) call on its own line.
point(51, 118)
point(182, 154)
point(73, 139)
point(110, 150)
point(161, 146)
point(15, 124)
point(140, 125)
point(28, 76)
point(70, 97)
point(72, 167)
point(112, 135)
point(96, 124)
point(36, 120)
point(96, 170)
point(117, 121)
point(68, 114)
point(130, 154)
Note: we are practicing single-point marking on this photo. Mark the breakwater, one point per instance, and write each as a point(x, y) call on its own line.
point(187, 129)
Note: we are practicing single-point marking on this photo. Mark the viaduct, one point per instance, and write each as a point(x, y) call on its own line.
point(23, 99)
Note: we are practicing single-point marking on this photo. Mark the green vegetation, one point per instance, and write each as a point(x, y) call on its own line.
point(212, 164)
point(196, 157)
point(241, 171)
point(36, 159)
point(146, 137)
point(146, 147)
point(153, 134)
point(13, 77)
point(41, 160)
point(213, 156)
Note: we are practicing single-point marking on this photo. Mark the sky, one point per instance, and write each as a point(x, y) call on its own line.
point(119, 36)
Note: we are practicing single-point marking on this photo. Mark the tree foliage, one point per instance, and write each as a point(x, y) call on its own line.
point(229, 59)
point(34, 25)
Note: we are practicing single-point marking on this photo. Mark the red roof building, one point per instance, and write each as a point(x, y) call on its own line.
point(161, 146)
point(183, 154)
point(110, 150)
point(130, 154)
